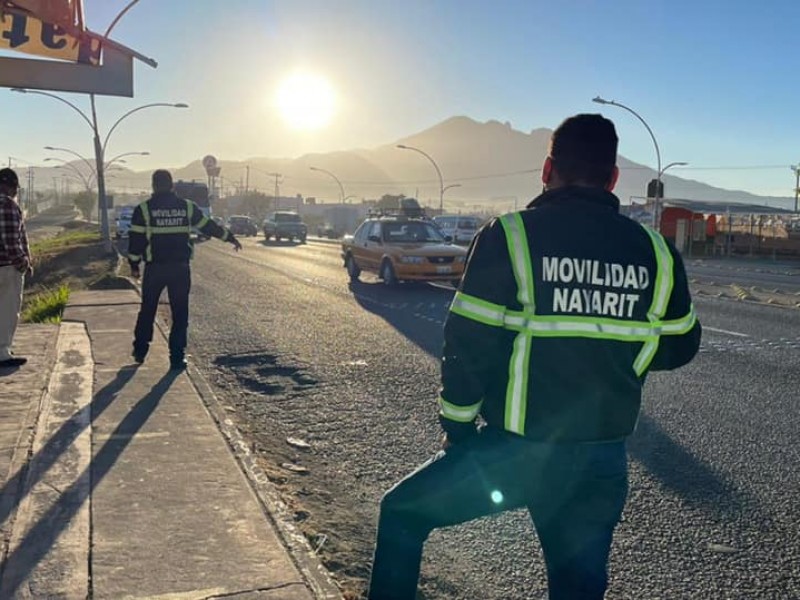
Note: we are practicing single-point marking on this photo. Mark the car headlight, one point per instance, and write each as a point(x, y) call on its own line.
point(412, 260)
point(461, 259)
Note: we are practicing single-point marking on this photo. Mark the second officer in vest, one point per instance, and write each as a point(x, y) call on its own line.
point(160, 236)
point(562, 311)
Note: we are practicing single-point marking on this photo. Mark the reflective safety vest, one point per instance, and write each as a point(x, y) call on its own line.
point(179, 225)
point(529, 324)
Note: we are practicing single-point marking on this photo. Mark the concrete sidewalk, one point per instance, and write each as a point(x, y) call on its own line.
point(118, 483)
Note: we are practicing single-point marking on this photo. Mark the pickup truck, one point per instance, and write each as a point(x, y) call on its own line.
point(285, 225)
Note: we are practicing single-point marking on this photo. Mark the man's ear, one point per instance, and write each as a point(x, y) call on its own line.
point(613, 180)
point(547, 170)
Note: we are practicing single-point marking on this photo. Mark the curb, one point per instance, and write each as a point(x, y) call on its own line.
point(299, 549)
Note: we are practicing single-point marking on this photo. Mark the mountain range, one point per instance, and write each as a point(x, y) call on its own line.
point(487, 164)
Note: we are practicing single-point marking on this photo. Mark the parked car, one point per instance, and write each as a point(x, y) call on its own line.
point(401, 248)
point(242, 225)
point(285, 225)
point(461, 229)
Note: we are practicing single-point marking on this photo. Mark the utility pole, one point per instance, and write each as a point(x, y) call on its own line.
point(247, 180)
point(796, 169)
point(277, 177)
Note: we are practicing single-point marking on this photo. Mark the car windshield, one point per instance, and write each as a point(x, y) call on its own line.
point(467, 224)
point(411, 233)
point(287, 218)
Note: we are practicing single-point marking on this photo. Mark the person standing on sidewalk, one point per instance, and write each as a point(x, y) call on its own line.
point(15, 263)
point(160, 236)
point(563, 309)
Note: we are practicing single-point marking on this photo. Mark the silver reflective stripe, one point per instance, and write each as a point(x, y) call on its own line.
point(477, 309)
point(680, 326)
point(534, 325)
point(148, 231)
point(519, 367)
point(517, 390)
point(661, 294)
point(461, 414)
point(520, 257)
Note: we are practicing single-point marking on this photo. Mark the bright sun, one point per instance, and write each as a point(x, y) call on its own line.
point(306, 101)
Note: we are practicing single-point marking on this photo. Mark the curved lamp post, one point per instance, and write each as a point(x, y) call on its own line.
point(341, 188)
point(99, 148)
point(65, 164)
point(435, 166)
point(659, 172)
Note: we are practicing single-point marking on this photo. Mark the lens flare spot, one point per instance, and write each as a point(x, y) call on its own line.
point(497, 497)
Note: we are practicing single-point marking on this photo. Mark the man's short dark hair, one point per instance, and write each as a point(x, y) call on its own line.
point(584, 150)
point(9, 178)
point(162, 181)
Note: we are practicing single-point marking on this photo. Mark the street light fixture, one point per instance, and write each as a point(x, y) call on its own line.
point(435, 166)
point(659, 172)
point(99, 148)
point(341, 188)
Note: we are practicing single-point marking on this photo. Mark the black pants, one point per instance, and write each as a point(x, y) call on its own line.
point(574, 493)
point(176, 277)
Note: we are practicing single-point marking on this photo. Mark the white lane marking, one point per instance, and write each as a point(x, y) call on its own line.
point(725, 331)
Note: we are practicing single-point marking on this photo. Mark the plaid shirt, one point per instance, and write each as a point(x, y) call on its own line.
point(13, 238)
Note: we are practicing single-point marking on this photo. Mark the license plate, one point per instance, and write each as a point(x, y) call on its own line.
point(443, 269)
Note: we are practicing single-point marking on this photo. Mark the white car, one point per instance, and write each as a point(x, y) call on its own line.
point(459, 228)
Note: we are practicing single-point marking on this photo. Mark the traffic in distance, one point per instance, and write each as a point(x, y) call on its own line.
point(396, 245)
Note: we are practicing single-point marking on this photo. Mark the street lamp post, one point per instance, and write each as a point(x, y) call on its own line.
point(99, 148)
point(341, 188)
point(435, 166)
point(796, 169)
point(659, 172)
point(65, 164)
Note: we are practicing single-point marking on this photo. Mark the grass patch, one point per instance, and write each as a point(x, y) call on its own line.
point(66, 239)
point(46, 307)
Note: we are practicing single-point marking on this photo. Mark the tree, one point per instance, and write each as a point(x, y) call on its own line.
point(84, 202)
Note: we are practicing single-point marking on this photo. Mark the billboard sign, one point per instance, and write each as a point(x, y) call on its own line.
point(27, 34)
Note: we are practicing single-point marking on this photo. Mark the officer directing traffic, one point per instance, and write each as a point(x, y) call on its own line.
point(562, 311)
point(160, 235)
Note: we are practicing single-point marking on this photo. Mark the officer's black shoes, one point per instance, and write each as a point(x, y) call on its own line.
point(177, 364)
point(14, 361)
point(138, 358)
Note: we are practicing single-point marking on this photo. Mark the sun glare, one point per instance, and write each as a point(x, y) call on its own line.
point(306, 101)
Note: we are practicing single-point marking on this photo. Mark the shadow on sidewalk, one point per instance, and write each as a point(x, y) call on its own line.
point(44, 535)
point(45, 458)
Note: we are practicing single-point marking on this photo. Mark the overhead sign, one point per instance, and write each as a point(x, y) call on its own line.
point(24, 33)
point(67, 13)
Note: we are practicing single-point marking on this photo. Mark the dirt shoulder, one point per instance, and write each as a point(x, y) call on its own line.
point(73, 257)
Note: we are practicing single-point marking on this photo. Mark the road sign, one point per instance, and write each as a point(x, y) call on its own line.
point(653, 186)
point(209, 162)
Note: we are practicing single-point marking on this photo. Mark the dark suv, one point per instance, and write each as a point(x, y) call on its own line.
point(285, 225)
point(242, 225)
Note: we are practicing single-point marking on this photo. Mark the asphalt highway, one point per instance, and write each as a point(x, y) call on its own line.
point(350, 373)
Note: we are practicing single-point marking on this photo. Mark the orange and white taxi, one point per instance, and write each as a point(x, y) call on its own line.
point(399, 248)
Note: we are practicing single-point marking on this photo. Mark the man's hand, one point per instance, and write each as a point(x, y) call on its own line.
point(236, 245)
point(135, 272)
point(25, 267)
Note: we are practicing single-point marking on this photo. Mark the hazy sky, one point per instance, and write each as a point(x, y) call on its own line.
point(716, 81)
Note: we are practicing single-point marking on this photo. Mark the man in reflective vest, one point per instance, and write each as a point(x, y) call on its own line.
point(160, 235)
point(562, 311)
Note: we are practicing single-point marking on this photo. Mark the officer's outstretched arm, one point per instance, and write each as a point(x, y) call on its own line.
point(681, 339)
point(210, 227)
point(475, 342)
